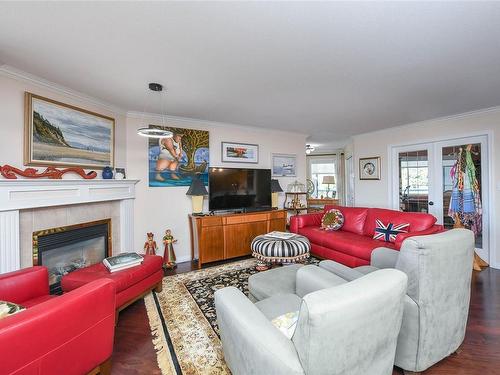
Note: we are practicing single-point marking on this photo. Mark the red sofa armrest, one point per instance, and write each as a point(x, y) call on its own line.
point(436, 228)
point(71, 334)
point(25, 284)
point(306, 220)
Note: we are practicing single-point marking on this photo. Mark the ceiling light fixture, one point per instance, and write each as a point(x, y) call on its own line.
point(155, 132)
point(309, 149)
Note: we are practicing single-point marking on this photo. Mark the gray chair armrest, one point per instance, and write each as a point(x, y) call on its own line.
point(312, 278)
point(251, 343)
point(383, 257)
point(338, 269)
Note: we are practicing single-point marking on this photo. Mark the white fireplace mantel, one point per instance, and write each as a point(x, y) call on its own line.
point(16, 195)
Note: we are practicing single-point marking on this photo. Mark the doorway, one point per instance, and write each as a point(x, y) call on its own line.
point(448, 179)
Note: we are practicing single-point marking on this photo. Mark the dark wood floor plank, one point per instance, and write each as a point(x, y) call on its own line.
point(134, 352)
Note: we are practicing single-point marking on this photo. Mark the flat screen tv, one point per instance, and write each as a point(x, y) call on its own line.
point(239, 189)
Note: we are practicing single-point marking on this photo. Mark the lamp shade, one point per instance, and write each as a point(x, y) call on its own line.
point(275, 186)
point(197, 187)
point(328, 180)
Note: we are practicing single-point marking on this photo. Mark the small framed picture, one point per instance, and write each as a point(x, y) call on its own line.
point(239, 153)
point(369, 168)
point(120, 174)
point(284, 165)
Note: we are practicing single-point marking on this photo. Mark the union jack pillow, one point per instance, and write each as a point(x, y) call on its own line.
point(388, 232)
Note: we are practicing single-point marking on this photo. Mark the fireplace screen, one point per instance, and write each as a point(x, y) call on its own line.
point(66, 249)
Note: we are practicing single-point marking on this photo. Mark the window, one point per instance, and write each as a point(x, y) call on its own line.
point(318, 168)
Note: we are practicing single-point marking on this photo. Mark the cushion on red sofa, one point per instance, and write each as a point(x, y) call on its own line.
point(418, 221)
point(352, 244)
point(123, 279)
point(387, 232)
point(354, 218)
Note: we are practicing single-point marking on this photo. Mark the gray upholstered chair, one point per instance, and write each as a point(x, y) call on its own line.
point(349, 329)
point(439, 269)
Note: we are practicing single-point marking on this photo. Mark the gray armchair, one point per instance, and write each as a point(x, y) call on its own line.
point(348, 329)
point(439, 269)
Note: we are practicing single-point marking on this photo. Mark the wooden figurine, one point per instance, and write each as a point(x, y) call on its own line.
point(169, 253)
point(150, 246)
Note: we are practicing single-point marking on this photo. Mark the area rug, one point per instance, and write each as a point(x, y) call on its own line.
point(183, 319)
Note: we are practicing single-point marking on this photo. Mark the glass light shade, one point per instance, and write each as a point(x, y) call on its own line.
point(154, 133)
point(296, 187)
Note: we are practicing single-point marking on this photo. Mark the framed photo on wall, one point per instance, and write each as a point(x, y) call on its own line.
point(369, 168)
point(239, 153)
point(284, 165)
point(64, 135)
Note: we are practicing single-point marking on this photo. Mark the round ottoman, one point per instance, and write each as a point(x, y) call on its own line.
point(270, 250)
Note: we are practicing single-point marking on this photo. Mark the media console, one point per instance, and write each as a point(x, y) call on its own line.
point(226, 236)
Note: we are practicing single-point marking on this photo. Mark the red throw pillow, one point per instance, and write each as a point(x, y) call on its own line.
point(388, 233)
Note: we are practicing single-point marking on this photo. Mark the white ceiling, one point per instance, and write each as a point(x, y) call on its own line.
point(326, 69)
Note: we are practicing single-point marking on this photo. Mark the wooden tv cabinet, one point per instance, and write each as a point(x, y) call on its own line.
point(226, 236)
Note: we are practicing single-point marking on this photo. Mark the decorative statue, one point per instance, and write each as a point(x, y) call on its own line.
point(169, 254)
point(150, 246)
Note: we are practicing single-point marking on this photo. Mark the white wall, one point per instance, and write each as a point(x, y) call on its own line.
point(160, 208)
point(376, 193)
point(12, 90)
point(156, 209)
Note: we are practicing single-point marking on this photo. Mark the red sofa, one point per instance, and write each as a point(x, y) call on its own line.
point(353, 244)
point(70, 334)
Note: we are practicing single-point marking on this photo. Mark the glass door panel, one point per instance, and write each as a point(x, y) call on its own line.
point(414, 181)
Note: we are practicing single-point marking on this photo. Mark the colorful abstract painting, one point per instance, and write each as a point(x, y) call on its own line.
point(174, 161)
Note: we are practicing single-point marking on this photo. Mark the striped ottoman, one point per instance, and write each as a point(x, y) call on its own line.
point(270, 250)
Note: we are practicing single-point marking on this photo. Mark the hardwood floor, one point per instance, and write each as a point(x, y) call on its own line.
point(480, 352)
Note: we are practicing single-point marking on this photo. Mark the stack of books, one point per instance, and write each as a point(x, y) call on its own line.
point(122, 261)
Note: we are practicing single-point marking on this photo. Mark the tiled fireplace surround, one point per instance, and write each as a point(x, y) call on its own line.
point(31, 205)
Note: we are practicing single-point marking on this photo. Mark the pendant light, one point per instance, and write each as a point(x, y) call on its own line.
point(309, 149)
point(155, 132)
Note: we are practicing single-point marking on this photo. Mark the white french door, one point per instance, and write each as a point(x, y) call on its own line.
point(421, 180)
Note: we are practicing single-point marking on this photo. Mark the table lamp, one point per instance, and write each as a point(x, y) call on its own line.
point(328, 180)
point(197, 190)
point(275, 189)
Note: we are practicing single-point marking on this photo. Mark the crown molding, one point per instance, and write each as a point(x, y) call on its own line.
point(194, 122)
point(435, 119)
point(19, 75)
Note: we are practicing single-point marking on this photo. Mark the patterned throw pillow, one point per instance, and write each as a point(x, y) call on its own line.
point(389, 232)
point(9, 308)
point(332, 220)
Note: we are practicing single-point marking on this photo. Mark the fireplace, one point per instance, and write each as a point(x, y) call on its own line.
point(65, 249)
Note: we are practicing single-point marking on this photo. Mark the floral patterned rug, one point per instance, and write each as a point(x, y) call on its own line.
point(183, 319)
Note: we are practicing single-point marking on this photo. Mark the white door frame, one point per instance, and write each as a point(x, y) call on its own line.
point(486, 173)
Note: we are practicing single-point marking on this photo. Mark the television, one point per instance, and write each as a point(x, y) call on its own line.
point(239, 189)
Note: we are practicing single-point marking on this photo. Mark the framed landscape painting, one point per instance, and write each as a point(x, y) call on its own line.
point(64, 135)
point(284, 165)
point(175, 161)
point(239, 153)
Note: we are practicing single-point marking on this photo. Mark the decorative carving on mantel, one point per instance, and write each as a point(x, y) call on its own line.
point(11, 172)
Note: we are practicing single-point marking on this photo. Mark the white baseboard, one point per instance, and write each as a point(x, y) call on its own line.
point(186, 258)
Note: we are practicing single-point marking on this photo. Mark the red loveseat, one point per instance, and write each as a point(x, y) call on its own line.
point(70, 334)
point(353, 244)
